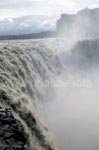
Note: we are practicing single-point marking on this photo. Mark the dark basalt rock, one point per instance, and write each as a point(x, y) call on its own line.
point(12, 136)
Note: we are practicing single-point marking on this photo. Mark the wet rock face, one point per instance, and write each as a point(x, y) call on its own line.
point(12, 136)
point(84, 56)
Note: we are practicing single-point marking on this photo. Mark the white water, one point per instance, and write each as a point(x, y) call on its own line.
point(71, 107)
point(72, 115)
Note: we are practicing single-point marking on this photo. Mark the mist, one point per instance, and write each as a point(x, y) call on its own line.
point(72, 113)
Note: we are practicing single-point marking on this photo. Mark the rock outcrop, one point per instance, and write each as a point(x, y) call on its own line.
point(12, 135)
point(84, 24)
point(83, 56)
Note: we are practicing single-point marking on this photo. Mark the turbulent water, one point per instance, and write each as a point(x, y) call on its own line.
point(23, 66)
point(54, 82)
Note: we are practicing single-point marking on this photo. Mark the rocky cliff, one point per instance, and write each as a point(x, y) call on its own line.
point(83, 56)
point(84, 24)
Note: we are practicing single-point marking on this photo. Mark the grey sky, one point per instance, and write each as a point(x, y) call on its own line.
point(43, 14)
point(13, 8)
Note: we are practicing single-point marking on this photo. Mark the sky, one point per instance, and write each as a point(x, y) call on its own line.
point(36, 15)
point(16, 8)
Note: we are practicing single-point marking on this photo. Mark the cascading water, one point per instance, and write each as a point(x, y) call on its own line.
point(38, 80)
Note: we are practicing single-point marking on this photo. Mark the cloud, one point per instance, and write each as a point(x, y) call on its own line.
point(42, 7)
point(40, 11)
point(93, 6)
point(64, 3)
point(47, 25)
point(23, 25)
point(47, 22)
point(26, 25)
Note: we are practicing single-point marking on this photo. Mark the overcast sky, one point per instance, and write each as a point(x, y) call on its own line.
point(13, 8)
point(47, 11)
